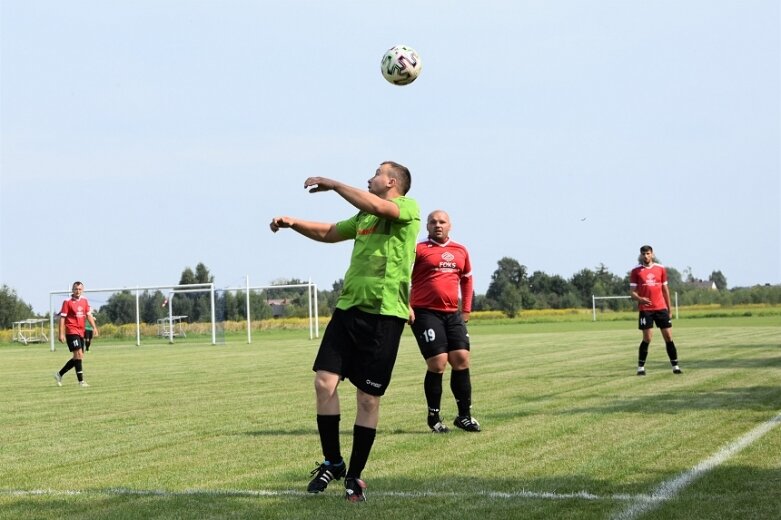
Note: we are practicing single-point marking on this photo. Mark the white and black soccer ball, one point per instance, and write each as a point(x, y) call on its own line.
point(401, 65)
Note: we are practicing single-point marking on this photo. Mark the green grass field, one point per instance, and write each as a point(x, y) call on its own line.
point(192, 430)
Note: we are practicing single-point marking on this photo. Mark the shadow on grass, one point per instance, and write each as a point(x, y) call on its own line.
point(722, 363)
point(726, 492)
point(281, 433)
point(421, 428)
point(440, 496)
point(757, 398)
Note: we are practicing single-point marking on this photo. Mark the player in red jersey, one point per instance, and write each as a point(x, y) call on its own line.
point(442, 267)
point(75, 311)
point(648, 287)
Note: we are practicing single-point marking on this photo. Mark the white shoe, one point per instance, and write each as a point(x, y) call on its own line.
point(83, 384)
point(58, 378)
point(640, 371)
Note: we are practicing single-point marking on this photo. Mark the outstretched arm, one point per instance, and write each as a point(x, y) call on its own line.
point(320, 231)
point(363, 200)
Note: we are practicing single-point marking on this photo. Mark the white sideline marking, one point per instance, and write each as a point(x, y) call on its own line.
point(582, 495)
point(669, 488)
point(639, 504)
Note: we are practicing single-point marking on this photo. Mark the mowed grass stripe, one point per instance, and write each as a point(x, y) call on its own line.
point(563, 414)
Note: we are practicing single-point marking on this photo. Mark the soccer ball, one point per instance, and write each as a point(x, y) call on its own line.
point(401, 65)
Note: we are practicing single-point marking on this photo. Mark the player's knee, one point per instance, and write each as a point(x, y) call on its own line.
point(368, 403)
point(325, 387)
point(437, 364)
point(459, 359)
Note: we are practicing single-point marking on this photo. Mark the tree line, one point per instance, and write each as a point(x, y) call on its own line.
point(12, 308)
point(511, 290)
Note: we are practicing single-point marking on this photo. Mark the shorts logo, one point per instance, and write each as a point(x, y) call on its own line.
point(372, 383)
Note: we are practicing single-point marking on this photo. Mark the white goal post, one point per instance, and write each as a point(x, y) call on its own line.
point(594, 299)
point(196, 287)
point(311, 293)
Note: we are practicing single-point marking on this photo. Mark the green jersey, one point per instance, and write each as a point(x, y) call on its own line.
point(378, 279)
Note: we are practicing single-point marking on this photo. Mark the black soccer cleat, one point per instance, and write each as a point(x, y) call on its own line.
point(325, 473)
point(677, 370)
point(354, 490)
point(435, 422)
point(467, 423)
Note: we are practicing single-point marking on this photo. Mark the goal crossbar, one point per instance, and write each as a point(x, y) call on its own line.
point(594, 299)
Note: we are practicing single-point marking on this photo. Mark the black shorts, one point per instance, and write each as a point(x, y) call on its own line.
point(74, 342)
point(439, 332)
point(361, 347)
point(87, 337)
point(647, 319)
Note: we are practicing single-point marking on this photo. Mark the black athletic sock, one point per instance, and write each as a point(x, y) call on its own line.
point(642, 354)
point(672, 352)
point(67, 366)
point(432, 387)
point(461, 385)
point(79, 371)
point(363, 440)
point(328, 427)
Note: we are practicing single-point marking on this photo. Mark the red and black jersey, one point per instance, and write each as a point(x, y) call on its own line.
point(648, 282)
point(440, 271)
point(75, 310)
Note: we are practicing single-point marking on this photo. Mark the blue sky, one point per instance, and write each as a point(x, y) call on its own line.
point(143, 137)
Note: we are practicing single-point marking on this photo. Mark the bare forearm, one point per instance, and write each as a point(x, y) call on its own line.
point(639, 299)
point(667, 298)
point(319, 231)
point(92, 322)
point(315, 230)
point(361, 199)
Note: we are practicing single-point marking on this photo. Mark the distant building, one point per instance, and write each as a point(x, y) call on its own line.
point(278, 307)
point(703, 284)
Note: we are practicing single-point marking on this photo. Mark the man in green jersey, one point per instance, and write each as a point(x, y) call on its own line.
point(361, 341)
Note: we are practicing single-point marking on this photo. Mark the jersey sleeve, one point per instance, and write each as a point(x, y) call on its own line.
point(408, 209)
point(633, 279)
point(467, 284)
point(348, 228)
